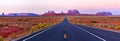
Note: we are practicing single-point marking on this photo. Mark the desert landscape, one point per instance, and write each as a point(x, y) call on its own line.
point(15, 27)
point(103, 22)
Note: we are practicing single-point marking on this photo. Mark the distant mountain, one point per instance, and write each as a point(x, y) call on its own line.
point(104, 13)
point(73, 12)
point(50, 13)
point(2, 14)
point(22, 14)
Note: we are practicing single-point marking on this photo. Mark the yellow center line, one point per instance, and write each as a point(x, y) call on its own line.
point(65, 36)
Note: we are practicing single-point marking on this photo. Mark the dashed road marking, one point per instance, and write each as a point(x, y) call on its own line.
point(65, 36)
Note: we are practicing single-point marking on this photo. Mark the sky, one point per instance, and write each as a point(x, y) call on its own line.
point(42, 6)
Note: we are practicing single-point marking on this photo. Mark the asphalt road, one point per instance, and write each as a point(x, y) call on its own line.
point(65, 31)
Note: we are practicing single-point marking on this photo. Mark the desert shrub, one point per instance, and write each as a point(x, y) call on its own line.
point(33, 28)
point(43, 25)
point(117, 27)
point(1, 38)
point(94, 21)
point(1, 24)
point(37, 27)
point(13, 36)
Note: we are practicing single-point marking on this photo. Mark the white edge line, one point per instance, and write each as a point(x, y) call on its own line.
point(92, 34)
point(103, 29)
point(36, 34)
point(39, 33)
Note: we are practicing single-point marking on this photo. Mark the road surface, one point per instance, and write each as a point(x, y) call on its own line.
point(65, 31)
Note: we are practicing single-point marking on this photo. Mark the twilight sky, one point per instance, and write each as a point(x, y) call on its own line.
point(41, 6)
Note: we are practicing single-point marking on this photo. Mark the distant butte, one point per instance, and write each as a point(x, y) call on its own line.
point(52, 13)
point(104, 13)
point(76, 12)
